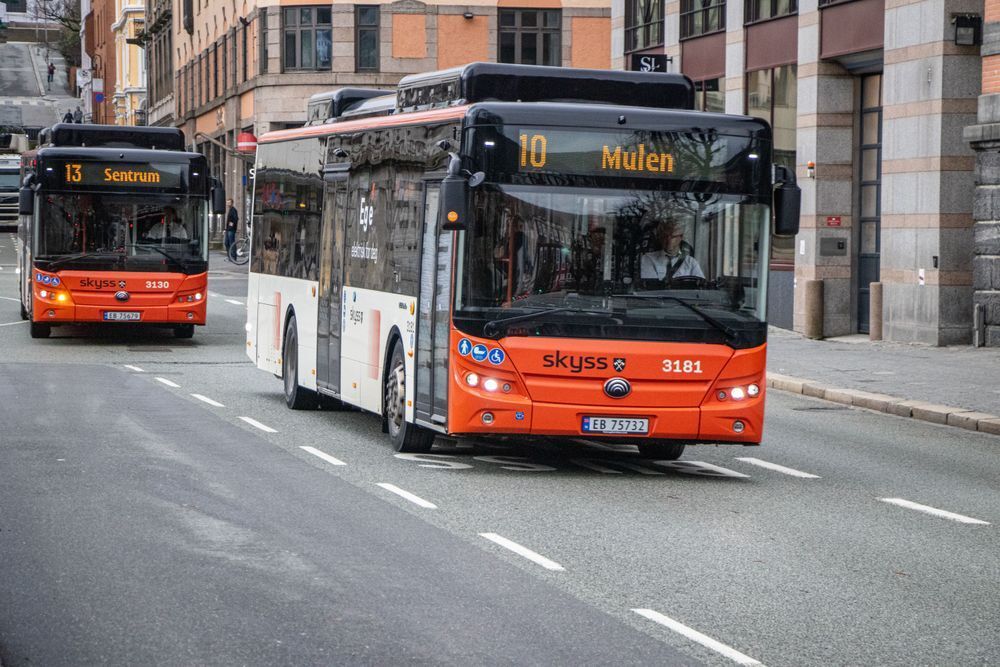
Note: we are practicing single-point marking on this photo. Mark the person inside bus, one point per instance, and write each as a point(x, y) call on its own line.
point(672, 260)
point(170, 227)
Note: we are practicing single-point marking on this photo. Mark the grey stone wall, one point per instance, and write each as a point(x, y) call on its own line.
point(985, 140)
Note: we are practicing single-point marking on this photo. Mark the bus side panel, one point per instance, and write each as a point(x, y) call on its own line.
point(370, 318)
point(277, 297)
point(253, 293)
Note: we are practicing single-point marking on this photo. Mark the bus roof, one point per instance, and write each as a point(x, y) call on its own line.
point(117, 154)
point(113, 136)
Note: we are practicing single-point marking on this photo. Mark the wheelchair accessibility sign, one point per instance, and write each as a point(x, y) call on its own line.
point(496, 356)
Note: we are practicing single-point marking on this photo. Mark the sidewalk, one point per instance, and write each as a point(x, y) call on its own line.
point(958, 385)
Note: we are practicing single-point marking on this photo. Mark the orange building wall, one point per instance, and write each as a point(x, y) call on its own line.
point(409, 36)
point(591, 45)
point(104, 50)
point(461, 40)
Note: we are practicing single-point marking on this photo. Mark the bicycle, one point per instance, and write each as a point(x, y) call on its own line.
point(239, 251)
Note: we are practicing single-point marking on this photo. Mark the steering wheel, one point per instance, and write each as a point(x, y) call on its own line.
point(687, 282)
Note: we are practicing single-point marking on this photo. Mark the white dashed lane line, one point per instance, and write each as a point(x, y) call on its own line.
point(416, 500)
point(206, 399)
point(168, 383)
point(777, 468)
point(523, 551)
point(134, 368)
point(257, 424)
point(332, 460)
point(944, 514)
point(695, 636)
point(234, 302)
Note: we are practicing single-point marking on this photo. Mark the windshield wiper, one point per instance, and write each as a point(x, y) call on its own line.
point(80, 255)
point(731, 334)
point(179, 263)
point(492, 328)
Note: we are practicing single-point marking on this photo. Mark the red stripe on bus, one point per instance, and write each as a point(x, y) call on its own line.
point(374, 339)
point(364, 124)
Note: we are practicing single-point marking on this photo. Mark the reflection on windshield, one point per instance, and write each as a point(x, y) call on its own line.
point(542, 248)
point(143, 233)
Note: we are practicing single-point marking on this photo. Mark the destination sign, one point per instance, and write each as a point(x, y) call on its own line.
point(118, 175)
point(634, 154)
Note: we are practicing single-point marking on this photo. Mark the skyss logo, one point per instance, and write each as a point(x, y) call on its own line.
point(575, 364)
point(98, 283)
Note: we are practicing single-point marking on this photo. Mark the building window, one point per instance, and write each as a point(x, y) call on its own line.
point(772, 95)
point(710, 95)
point(262, 47)
point(366, 38)
point(760, 10)
point(701, 17)
point(531, 37)
point(643, 24)
point(308, 41)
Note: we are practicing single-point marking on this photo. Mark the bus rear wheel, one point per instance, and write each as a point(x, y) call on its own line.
point(184, 331)
point(668, 451)
point(405, 437)
point(297, 398)
point(40, 330)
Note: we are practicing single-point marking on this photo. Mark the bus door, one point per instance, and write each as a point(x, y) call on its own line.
point(331, 278)
point(434, 317)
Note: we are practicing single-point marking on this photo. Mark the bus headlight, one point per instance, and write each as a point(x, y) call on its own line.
point(472, 380)
point(490, 384)
point(753, 390)
point(61, 297)
point(738, 393)
point(43, 294)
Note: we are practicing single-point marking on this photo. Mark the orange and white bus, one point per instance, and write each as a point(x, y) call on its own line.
point(114, 228)
point(514, 251)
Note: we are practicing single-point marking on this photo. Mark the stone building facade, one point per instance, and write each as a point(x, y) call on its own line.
point(251, 66)
point(868, 100)
point(984, 137)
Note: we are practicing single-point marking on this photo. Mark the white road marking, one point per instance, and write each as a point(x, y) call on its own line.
point(257, 424)
point(523, 551)
point(416, 500)
point(8, 298)
point(206, 399)
point(321, 454)
point(10, 324)
point(701, 468)
point(694, 635)
point(134, 368)
point(234, 302)
point(775, 467)
point(214, 294)
point(168, 383)
point(944, 514)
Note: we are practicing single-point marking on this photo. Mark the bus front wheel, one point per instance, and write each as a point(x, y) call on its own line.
point(40, 330)
point(668, 451)
point(297, 398)
point(405, 437)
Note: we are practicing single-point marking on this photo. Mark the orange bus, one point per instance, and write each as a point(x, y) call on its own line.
point(515, 251)
point(114, 228)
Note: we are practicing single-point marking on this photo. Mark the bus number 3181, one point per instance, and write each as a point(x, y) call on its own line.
point(681, 366)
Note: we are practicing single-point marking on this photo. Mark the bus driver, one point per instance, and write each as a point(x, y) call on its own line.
point(670, 261)
point(170, 227)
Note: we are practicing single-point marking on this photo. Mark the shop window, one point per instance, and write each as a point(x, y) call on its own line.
point(761, 10)
point(643, 24)
point(710, 95)
point(701, 17)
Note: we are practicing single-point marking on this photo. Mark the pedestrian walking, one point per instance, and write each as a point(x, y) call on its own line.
point(52, 73)
point(78, 115)
point(232, 223)
point(67, 117)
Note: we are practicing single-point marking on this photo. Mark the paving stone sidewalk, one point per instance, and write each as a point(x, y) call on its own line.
point(959, 386)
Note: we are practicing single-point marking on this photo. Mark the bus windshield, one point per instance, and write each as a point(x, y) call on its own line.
point(153, 232)
point(611, 263)
point(9, 179)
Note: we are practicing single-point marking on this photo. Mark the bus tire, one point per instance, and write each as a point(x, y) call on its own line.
point(405, 437)
point(666, 450)
point(40, 330)
point(184, 331)
point(297, 397)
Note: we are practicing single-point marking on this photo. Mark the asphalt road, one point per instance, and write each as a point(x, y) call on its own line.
point(140, 523)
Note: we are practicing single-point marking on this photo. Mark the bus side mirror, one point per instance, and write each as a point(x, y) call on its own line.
point(454, 203)
point(26, 201)
point(787, 203)
point(218, 199)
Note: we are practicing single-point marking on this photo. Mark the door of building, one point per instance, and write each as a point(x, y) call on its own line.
point(870, 193)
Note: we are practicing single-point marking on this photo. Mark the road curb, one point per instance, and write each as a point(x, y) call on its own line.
point(970, 420)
